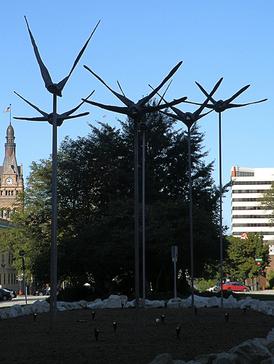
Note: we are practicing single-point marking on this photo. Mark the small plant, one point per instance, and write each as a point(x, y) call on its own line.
point(203, 284)
point(270, 278)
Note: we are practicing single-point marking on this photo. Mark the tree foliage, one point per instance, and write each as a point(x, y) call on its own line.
point(96, 205)
point(242, 254)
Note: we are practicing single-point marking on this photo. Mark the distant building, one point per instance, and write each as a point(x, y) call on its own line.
point(11, 185)
point(248, 214)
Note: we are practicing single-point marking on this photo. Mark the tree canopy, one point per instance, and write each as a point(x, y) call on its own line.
point(242, 255)
point(96, 209)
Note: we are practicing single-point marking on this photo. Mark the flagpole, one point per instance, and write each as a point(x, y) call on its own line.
point(10, 114)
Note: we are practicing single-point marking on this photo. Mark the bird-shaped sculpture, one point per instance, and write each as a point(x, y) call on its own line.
point(50, 117)
point(222, 105)
point(189, 118)
point(55, 88)
point(137, 110)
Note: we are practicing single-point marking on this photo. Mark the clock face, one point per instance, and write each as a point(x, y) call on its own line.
point(9, 181)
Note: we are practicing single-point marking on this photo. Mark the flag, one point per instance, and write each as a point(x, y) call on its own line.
point(8, 109)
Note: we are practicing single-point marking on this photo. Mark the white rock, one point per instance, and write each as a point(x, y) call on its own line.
point(230, 302)
point(226, 358)
point(174, 303)
point(270, 336)
point(15, 311)
point(162, 359)
point(213, 302)
point(268, 361)
point(251, 351)
point(98, 303)
point(155, 303)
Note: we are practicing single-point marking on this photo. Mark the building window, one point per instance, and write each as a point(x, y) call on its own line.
point(249, 191)
point(246, 183)
point(244, 174)
point(252, 216)
point(251, 208)
point(253, 225)
point(259, 199)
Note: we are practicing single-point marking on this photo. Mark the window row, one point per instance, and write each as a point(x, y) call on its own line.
point(250, 191)
point(252, 216)
point(7, 278)
point(246, 183)
point(247, 199)
point(253, 225)
point(9, 193)
point(251, 208)
point(6, 213)
point(244, 174)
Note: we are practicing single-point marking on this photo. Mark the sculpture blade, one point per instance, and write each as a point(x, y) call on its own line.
point(170, 115)
point(122, 98)
point(62, 83)
point(209, 98)
point(246, 104)
point(119, 109)
point(204, 114)
point(162, 97)
point(67, 113)
point(32, 105)
point(145, 99)
point(72, 116)
point(176, 110)
point(120, 87)
point(237, 94)
point(31, 119)
point(209, 106)
point(169, 104)
point(43, 69)
point(213, 90)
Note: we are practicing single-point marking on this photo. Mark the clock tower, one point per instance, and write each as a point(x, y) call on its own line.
point(11, 177)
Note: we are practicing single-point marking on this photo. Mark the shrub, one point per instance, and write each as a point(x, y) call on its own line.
point(202, 284)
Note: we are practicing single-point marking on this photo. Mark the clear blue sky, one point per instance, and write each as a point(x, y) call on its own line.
point(138, 43)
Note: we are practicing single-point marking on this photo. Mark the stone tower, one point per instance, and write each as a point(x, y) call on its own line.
point(11, 177)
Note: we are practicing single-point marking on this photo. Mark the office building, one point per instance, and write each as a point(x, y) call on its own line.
point(248, 213)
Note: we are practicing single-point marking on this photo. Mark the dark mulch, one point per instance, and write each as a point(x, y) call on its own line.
point(138, 338)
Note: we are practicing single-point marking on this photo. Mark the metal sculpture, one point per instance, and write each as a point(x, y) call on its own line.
point(137, 111)
point(55, 120)
point(189, 119)
point(55, 88)
point(219, 107)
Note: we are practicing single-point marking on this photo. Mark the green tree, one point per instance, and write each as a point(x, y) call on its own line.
point(96, 209)
point(268, 202)
point(241, 255)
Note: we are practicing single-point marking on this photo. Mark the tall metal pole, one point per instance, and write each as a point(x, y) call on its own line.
point(136, 212)
point(53, 260)
point(24, 279)
point(143, 213)
point(221, 205)
point(190, 216)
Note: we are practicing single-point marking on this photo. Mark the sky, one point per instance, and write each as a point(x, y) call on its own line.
point(138, 43)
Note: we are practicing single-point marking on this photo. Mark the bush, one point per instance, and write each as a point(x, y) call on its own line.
point(270, 278)
point(202, 284)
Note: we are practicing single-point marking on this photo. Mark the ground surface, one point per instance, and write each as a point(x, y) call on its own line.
point(138, 338)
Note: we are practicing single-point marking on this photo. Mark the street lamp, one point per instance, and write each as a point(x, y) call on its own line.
point(136, 112)
point(55, 120)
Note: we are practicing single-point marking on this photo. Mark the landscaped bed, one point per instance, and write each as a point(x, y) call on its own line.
point(141, 334)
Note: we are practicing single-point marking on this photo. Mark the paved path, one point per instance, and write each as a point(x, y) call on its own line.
point(20, 300)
